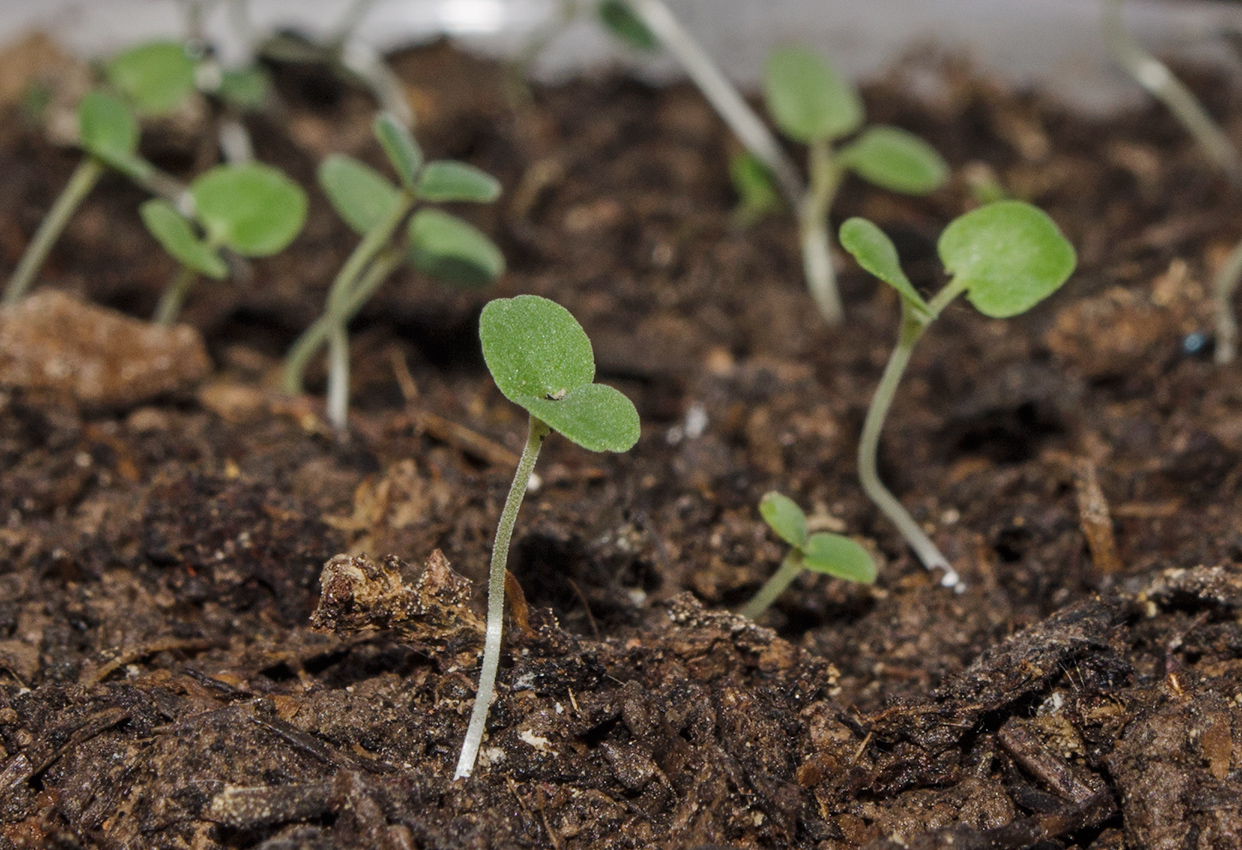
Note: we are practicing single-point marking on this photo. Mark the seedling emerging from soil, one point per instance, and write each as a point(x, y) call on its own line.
point(542, 361)
point(1006, 257)
point(434, 242)
point(252, 210)
point(820, 552)
point(1155, 76)
point(811, 103)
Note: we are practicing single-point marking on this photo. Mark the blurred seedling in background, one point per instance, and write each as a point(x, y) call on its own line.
point(1006, 257)
point(821, 552)
point(542, 361)
point(253, 210)
point(396, 227)
point(1161, 83)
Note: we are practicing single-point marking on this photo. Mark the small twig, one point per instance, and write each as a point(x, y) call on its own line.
point(1095, 519)
point(585, 605)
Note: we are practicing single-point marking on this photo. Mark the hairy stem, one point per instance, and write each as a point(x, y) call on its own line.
point(496, 599)
point(912, 327)
point(789, 570)
point(1154, 75)
point(83, 179)
point(821, 277)
point(1224, 286)
point(174, 296)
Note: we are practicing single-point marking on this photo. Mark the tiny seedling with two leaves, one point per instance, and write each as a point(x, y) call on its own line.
point(811, 103)
point(542, 361)
point(432, 241)
point(821, 552)
point(1006, 257)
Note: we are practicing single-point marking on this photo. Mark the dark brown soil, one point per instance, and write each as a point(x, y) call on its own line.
point(161, 684)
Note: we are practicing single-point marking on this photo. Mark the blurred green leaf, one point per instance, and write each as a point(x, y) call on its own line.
point(400, 148)
point(155, 77)
point(245, 88)
point(359, 194)
point(452, 250)
point(896, 159)
point(838, 556)
point(448, 180)
point(807, 98)
point(172, 231)
point(783, 515)
point(617, 18)
point(106, 127)
point(253, 208)
point(756, 190)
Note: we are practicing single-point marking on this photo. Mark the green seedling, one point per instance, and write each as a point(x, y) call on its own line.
point(1155, 76)
point(821, 552)
point(253, 210)
point(1006, 257)
point(811, 103)
point(542, 361)
point(396, 227)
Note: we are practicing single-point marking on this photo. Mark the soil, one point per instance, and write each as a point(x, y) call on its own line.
point(162, 685)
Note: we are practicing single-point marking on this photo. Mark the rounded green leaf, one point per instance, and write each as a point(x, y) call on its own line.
point(807, 98)
point(896, 159)
point(245, 88)
point(453, 250)
point(172, 231)
point(106, 127)
point(448, 180)
point(1008, 256)
point(596, 417)
point(399, 146)
point(253, 208)
point(784, 517)
point(359, 194)
point(155, 77)
point(876, 253)
point(617, 18)
point(535, 348)
point(838, 556)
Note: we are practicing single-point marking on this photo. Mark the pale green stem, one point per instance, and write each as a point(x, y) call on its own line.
point(789, 570)
point(83, 179)
point(1223, 289)
point(338, 376)
point(306, 346)
point(913, 324)
point(722, 95)
point(821, 277)
point(1154, 75)
point(167, 310)
point(496, 599)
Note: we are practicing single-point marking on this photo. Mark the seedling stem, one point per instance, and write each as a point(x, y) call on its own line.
point(791, 567)
point(813, 229)
point(536, 433)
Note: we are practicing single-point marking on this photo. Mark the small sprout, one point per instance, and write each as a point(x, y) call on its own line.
point(435, 242)
point(1006, 257)
point(813, 104)
point(252, 210)
point(542, 361)
point(156, 77)
point(821, 552)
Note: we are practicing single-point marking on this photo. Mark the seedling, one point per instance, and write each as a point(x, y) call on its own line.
point(811, 103)
point(252, 210)
point(1006, 257)
point(1155, 76)
point(434, 242)
point(820, 552)
point(542, 361)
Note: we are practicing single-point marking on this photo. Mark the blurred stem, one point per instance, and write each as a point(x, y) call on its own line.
point(789, 570)
point(536, 433)
point(1224, 286)
point(821, 277)
point(83, 179)
point(338, 376)
point(174, 296)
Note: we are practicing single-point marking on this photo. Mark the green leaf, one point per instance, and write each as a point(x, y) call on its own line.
point(452, 250)
point(596, 417)
point(155, 77)
point(784, 516)
point(245, 88)
point(807, 98)
point(172, 231)
point(617, 18)
point(541, 359)
point(535, 348)
point(106, 127)
point(253, 208)
point(400, 148)
point(756, 190)
point(1008, 256)
point(876, 253)
point(896, 159)
point(359, 194)
point(838, 556)
point(448, 180)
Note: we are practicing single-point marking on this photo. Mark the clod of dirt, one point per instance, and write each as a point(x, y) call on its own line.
point(52, 343)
